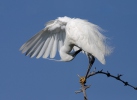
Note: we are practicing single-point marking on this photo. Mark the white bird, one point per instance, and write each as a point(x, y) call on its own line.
point(65, 34)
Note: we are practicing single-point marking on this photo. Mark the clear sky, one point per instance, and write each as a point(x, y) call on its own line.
point(23, 78)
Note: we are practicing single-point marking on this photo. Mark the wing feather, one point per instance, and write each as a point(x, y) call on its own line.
point(25, 44)
point(37, 49)
point(60, 44)
point(43, 49)
point(46, 42)
point(31, 49)
point(34, 44)
point(47, 52)
point(30, 43)
point(54, 48)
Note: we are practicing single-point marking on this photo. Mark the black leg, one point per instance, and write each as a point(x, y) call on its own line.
point(91, 62)
point(91, 59)
point(76, 52)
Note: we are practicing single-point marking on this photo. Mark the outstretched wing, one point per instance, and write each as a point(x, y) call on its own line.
point(47, 41)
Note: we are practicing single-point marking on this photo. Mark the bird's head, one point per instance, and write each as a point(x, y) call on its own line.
point(68, 56)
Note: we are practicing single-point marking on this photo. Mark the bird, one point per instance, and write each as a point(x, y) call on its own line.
point(68, 36)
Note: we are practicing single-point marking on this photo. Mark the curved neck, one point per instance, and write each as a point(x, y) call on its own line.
point(65, 54)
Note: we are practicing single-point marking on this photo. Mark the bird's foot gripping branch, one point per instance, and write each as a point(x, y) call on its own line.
point(83, 79)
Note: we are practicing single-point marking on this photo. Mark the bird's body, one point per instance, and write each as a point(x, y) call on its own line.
point(65, 34)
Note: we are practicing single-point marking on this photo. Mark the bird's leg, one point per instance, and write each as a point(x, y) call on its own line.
point(91, 61)
point(76, 52)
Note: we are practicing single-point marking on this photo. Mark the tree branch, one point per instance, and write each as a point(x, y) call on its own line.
point(118, 77)
point(83, 80)
point(89, 74)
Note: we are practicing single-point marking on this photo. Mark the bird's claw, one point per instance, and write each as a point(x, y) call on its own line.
point(82, 80)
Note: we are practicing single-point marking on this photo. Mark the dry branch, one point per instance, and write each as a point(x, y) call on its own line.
point(88, 74)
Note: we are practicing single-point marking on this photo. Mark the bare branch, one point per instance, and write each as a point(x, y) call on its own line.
point(118, 77)
point(89, 74)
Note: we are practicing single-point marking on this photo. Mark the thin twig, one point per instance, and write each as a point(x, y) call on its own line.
point(118, 77)
point(88, 74)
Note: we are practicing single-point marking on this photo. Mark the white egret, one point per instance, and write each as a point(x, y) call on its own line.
point(65, 34)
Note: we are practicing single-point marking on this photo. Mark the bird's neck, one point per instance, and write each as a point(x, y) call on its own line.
point(65, 54)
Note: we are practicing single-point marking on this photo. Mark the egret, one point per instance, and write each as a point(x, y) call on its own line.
point(68, 36)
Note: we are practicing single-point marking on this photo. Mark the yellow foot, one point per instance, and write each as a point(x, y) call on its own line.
point(82, 80)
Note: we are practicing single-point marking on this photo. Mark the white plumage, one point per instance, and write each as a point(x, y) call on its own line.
point(65, 34)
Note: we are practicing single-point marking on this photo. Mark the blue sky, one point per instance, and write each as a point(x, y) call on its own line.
point(23, 78)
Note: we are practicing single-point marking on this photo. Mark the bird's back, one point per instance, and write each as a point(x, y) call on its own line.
point(87, 36)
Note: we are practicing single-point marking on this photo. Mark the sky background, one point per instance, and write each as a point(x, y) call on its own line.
point(23, 78)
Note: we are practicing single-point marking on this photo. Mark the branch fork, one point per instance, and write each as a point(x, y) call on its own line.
point(83, 80)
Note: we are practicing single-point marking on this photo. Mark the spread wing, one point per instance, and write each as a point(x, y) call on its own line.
point(46, 42)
